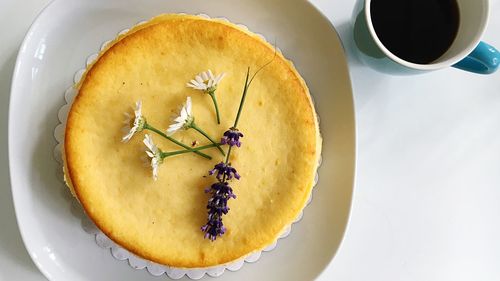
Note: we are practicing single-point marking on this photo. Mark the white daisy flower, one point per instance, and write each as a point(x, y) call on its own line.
point(155, 153)
point(206, 81)
point(184, 120)
point(137, 125)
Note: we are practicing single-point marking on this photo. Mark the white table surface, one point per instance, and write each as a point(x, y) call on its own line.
point(427, 194)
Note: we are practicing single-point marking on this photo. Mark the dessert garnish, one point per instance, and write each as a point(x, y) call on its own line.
point(207, 82)
point(157, 155)
point(221, 191)
point(140, 123)
point(185, 120)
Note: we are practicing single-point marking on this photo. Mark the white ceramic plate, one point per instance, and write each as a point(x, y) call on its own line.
point(57, 45)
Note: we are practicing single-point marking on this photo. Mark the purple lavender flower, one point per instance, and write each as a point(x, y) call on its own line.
point(213, 228)
point(217, 207)
point(232, 137)
point(224, 172)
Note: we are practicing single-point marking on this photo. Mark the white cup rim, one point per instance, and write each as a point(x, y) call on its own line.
point(430, 66)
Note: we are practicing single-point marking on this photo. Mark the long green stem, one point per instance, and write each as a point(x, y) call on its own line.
point(228, 154)
point(245, 89)
point(153, 129)
point(167, 154)
point(247, 85)
point(227, 161)
point(214, 99)
point(194, 126)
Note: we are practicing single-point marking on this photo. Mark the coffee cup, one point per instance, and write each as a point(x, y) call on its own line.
point(415, 36)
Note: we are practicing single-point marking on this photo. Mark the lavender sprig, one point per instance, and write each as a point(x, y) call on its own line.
point(221, 191)
point(217, 207)
point(224, 171)
point(232, 137)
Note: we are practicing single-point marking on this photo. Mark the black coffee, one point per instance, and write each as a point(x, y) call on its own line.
point(418, 31)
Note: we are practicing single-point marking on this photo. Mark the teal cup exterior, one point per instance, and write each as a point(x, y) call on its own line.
point(467, 52)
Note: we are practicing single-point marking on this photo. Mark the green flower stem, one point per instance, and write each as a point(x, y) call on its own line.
point(245, 90)
point(194, 126)
point(212, 95)
point(167, 154)
point(189, 149)
point(227, 161)
point(247, 85)
point(228, 154)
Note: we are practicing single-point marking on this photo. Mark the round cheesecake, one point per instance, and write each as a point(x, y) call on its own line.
point(160, 220)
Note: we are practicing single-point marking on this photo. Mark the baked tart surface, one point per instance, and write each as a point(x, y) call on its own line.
point(160, 220)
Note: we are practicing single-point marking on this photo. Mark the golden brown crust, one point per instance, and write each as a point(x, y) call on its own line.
point(161, 220)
